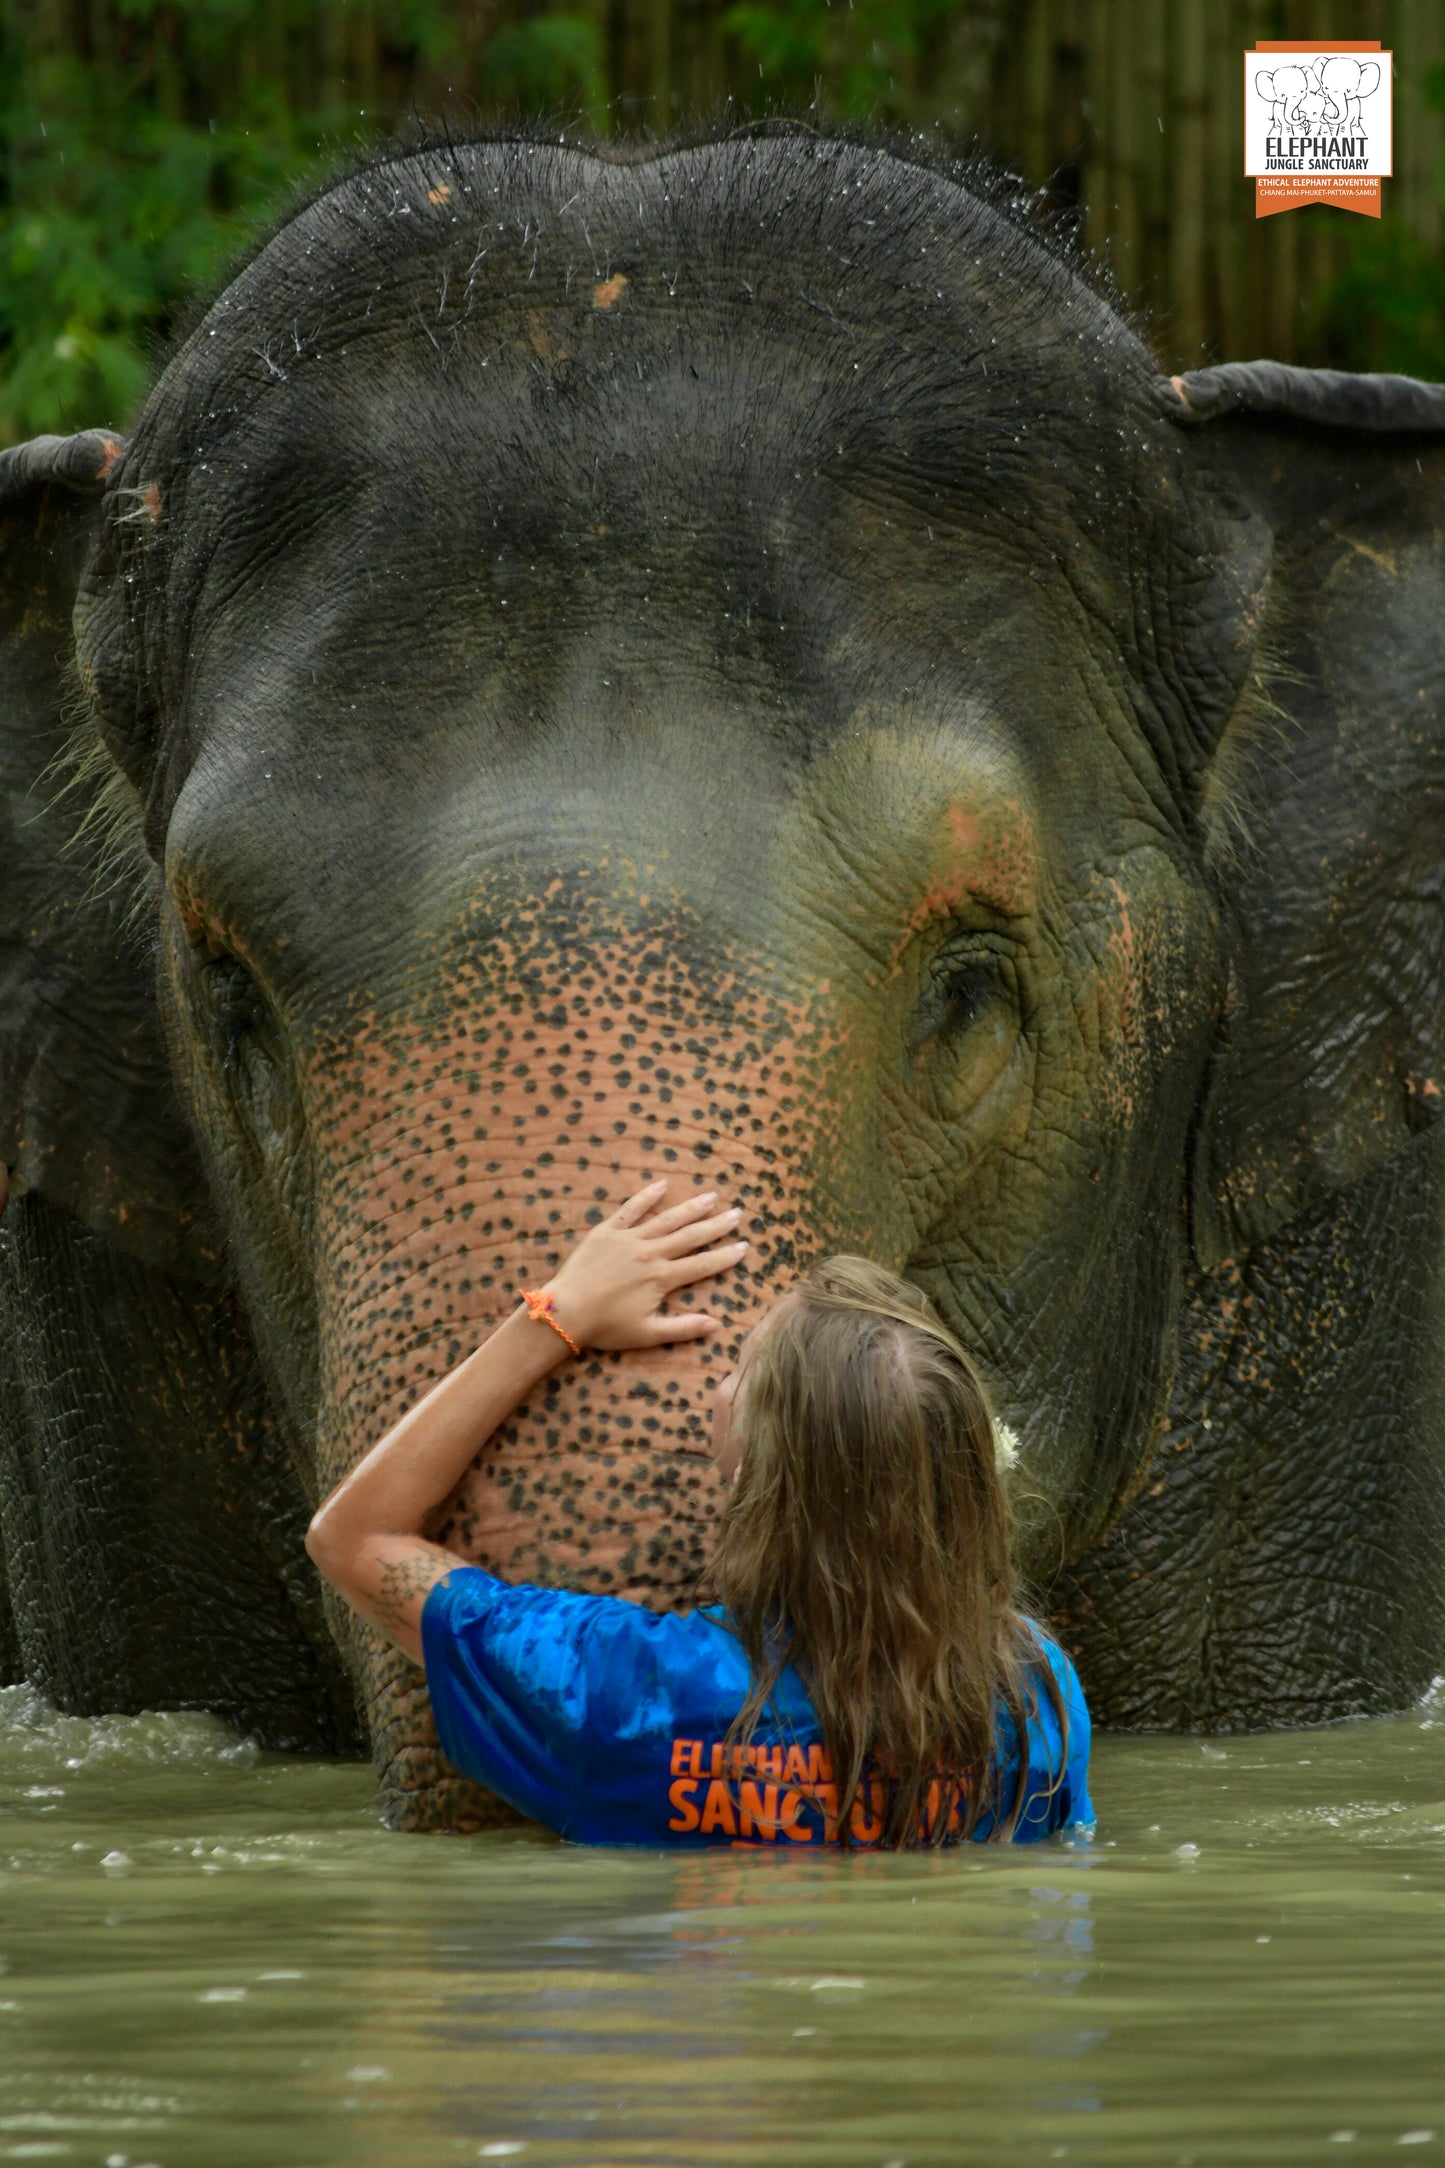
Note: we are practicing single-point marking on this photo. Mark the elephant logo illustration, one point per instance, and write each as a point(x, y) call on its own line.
point(1324, 98)
point(1317, 126)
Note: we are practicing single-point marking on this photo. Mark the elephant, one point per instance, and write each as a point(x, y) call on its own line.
point(1285, 90)
point(1344, 81)
point(724, 660)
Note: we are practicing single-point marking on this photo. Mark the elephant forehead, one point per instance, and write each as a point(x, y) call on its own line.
point(905, 705)
point(798, 455)
point(323, 873)
point(752, 381)
point(550, 275)
point(772, 497)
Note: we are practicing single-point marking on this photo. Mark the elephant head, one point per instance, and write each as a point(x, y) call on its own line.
point(1344, 81)
point(1286, 90)
point(729, 664)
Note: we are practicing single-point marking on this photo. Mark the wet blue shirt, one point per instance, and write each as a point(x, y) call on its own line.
point(606, 1722)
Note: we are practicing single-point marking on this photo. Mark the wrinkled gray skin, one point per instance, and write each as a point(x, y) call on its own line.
point(733, 665)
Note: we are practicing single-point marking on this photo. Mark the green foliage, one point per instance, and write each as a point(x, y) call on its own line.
point(862, 56)
point(1387, 308)
point(113, 212)
point(548, 62)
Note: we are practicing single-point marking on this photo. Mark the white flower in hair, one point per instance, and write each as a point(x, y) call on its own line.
point(1005, 1446)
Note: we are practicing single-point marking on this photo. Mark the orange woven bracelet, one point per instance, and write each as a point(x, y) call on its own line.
point(539, 1305)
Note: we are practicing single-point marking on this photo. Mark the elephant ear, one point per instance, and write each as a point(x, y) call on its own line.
point(1326, 795)
point(87, 1115)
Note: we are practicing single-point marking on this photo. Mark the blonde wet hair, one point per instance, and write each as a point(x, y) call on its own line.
point(866, 1541)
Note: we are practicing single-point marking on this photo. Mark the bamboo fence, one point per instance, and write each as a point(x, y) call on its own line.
point(1135, 110)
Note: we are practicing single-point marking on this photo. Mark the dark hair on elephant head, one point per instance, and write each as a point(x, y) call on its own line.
point(866, 1542)
point(1054, 226)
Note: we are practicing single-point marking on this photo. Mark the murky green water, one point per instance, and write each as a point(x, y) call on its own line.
point(212, 1956)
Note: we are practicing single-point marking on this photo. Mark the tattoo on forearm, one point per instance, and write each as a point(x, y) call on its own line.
point(403, 1580)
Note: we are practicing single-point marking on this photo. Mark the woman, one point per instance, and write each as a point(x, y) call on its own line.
point(865, 1677)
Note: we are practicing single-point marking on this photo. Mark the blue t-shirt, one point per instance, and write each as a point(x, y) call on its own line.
point(606, 1722)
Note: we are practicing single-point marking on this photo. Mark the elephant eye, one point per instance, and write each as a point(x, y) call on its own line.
point(961, 987)
point(250, 1044)
point(968, 990)
point(237, 1005)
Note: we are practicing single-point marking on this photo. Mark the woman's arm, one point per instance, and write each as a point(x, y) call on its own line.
point(367, 1538)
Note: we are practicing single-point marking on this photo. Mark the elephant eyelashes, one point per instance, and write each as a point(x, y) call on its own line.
point(253, 1054)
point(968, 992)
point(959, 991)
point(237, 1006)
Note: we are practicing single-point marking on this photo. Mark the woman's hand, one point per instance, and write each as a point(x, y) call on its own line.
point(608, 1291)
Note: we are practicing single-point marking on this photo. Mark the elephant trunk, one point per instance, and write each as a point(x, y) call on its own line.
point(461, 1165)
